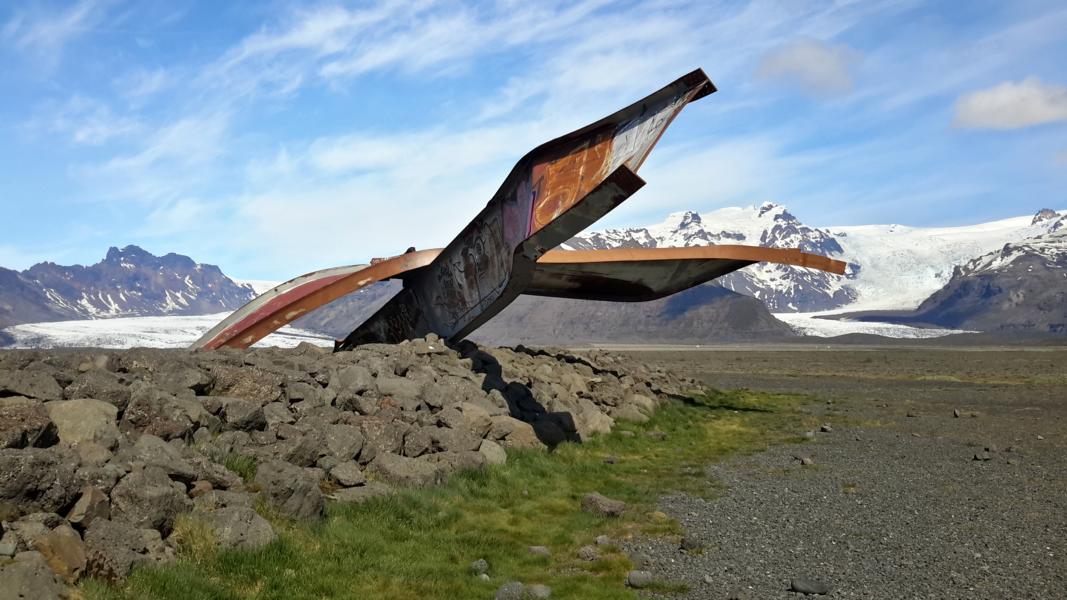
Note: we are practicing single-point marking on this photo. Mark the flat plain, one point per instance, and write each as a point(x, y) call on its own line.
point(943, 474)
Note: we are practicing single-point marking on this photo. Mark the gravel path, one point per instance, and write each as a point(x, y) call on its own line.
point(893, 506)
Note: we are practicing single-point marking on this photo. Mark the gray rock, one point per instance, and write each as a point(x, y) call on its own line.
point(639, 579)
point(248, 382)
point(826, 428)
point(37, 479)
point(361, 493)
point(399, 392)
point(589, 553)
point(629, 413)
point(147, 499)
point(290, 489)
point(239, 527)
point(276, 414)
point(156, 412)
point(381, 436)
point(30, 580)
point(600, 505)
point(114, 548)
point(239, 413)
point(348, 474)
point(99, 385)
point(512, 590)
point(154, 452)
point(807, 586)
point(92, 505)
point(493, 452)
point(25, 422)
point(476, 418)
point(479, 566)
point(418, 441)
point(64, 552)
point(84, 420)
point(603, 540)
point(540, 550)
point(31, 384)
point(404, 471)
point(538, 591)
point(344, 441)
point(983, 456)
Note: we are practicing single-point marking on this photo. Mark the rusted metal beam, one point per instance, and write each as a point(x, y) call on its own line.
point(619, 275)
point(554, 192)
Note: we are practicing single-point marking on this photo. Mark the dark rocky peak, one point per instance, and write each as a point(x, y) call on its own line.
point(688, 219)
point(130, 254)
point(1044, 214)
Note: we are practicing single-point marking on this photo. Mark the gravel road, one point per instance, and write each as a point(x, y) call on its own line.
point(903, 499)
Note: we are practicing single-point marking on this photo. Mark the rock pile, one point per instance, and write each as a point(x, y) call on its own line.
point(104, 454)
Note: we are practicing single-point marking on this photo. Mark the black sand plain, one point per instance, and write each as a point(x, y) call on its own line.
point(943, 475)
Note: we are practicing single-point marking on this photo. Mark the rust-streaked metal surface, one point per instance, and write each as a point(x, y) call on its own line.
point(554, 192)
point(642, 274)
point(291, 300)
point(619, 275)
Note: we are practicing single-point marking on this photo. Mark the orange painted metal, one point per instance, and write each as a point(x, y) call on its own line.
point(583, 269)
point(291, 300)
point(751, 254)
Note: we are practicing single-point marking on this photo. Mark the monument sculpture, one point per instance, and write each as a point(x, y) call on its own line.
point(554, 192)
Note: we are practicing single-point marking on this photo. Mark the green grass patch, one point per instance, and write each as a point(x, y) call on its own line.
point(418, 544)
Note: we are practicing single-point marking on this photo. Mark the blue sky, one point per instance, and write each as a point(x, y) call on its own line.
point(273, 138)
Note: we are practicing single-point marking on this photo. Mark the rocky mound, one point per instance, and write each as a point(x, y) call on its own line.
point(103, 454)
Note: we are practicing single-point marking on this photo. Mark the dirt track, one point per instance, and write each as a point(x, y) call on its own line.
point(895, 504)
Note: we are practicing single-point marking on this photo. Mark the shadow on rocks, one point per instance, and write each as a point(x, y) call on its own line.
point(551, 428)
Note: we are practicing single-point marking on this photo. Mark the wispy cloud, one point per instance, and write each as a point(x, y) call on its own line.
point(46, 34)
point(86, 121)
point(816, 67)
point(1012, 105)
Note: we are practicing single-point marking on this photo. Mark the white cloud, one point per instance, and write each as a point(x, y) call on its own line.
point(142, 83)
point(1012, 105)
point(87, 122)
point(46, 34)
point(815, 66)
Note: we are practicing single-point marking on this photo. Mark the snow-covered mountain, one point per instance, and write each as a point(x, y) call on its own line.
point(128, 282)
point(890, 266)
point(1020, 287)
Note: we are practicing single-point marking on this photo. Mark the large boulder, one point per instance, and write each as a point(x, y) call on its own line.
point(30, 578)
point(149, 499)
point(251, 383)
point(37, 480)
point(99, 385)
point(114, 548)
point(31, 384)
point(64, 551)
point(401, 470)
point(238, 413)
point(344, 441)
point(513, 433)
point(154, 411)
point(84, 420)
point(476, 418)
point(25, 422)
point(290, 489)
point(92, 505)
point(154, 452)
point(381, 436)
point(239, 527)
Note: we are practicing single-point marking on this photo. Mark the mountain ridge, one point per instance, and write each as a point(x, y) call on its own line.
point(127, 282)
